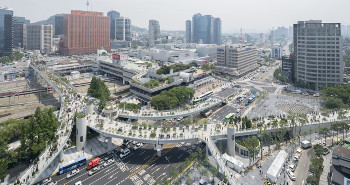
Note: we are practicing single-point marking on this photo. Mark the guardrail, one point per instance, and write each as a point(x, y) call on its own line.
point(147, 115)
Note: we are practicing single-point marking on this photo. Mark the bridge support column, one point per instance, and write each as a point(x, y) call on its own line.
point(89, 109)
point(158, 148)
point(231, 141)
point(81, 133)
point(60, 156)
point(109, 143)
point(206, 149)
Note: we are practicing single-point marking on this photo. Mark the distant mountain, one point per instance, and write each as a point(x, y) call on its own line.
point(137, 29)
point(50, 20)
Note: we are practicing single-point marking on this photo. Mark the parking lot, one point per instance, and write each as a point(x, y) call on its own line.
point(141, 166)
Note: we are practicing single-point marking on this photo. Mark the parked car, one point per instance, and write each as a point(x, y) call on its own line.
point(291, 175)
point(78, 183)
point(73, 173)
point(109, 162)
point(292, 167)
point(52, 183)
point(94, 170)
point(325, 151)
point(134, 142)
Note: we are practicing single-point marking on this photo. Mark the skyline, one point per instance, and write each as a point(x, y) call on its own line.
point(232, 21)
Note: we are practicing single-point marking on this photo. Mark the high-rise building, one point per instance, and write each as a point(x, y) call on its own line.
point(38, 37)
point(59, 25)
point(113, 15)
point(206, 29)
point(153, 32)
point(276, 51)
point(123, 31)
point(217, 31)
point(318, 54)
point(18, 31)
point(188, 31)
point(236, 60)
point(6, 31)
point(85, 32)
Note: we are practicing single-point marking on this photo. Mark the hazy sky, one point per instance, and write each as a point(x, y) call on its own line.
point(251, 15)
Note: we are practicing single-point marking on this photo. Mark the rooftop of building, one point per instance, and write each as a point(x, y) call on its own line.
point(341, 151)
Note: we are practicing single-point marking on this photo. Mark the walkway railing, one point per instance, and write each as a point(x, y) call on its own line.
point(48, 156)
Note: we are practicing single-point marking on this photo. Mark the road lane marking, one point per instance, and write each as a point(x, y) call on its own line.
point(153, 158)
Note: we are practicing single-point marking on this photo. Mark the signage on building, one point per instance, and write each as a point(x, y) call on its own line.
point(205, 62)
point(119, 57)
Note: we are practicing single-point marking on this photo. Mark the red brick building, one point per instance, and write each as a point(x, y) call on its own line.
point(85, 32)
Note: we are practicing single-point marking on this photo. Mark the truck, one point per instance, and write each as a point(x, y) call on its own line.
point(305, 144)
point(93, 163)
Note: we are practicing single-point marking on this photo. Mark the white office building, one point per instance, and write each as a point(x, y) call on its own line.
point(318, 54)
point(277, 51)
point(38, 37)
point(236, 60)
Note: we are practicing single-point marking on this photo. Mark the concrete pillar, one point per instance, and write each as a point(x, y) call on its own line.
point(206, 149)
point(158, 148)
point(110, 143)
point(89, 109)
point(231, 141)
point(81, 133)
point(60, 156)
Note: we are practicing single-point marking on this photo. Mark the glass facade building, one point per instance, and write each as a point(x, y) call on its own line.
point(206, 29)
point(6, 31)
point(113, 15)
point(122, 28)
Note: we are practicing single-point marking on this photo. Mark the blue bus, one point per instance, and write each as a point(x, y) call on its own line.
point(251, 99)
point(72, 165)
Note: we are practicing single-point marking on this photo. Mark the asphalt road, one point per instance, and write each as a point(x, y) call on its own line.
point(140, 167)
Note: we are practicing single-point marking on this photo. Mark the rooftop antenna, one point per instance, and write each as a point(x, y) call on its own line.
point(87, 5)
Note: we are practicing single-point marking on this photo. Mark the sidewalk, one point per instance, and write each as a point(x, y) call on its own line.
point(326, 168)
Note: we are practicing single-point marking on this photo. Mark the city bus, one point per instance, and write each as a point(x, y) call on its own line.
point(206, 95)
point(197, 100)
point(72, 165)
point(251, 99)
point(229, 116)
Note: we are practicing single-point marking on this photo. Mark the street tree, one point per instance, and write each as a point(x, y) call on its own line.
point(325, 132)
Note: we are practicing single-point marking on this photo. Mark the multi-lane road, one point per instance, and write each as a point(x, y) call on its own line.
point(139, 167)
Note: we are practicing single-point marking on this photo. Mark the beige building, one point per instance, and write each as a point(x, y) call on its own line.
point(236, 60)
point(38, 37)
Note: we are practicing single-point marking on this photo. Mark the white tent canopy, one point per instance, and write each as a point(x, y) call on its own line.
point(276, 166)
point(233, 163)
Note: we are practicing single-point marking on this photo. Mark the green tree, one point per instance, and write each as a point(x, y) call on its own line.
point(98, 89)
point(325, 132)
point(165, 180)
point(251, 144)
point(318, 150)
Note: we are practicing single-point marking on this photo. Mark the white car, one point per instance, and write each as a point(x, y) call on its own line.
point(136, 147)
point(46, 181)
point(125, 153)
point(109, 162)
point(94, 170)
point(292, 167)
point(134, 142)
point(52, 183)
point(139, 144)
point(73, 173)
point(78, 183)
point(238, 110)
point(291, 175)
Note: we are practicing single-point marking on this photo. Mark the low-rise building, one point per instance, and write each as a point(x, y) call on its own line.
point(340, 170)
point(276, 51)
